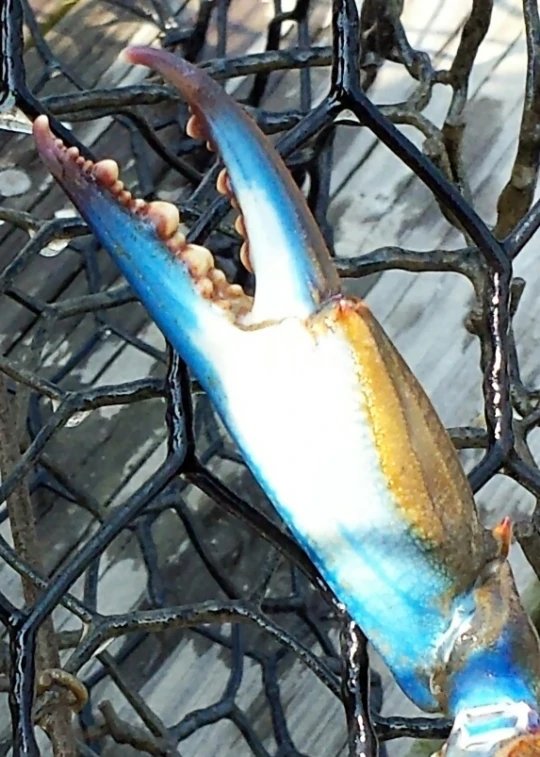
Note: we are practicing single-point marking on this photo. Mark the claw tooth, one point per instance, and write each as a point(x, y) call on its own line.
point(106, 172)
point(199, 260)
point(222, 183)
point(195, 128)
point(206, 288)
point(235, 290)
point(217, 277)
point(244, 257)
point(177, 244)
point(240, 226)
point(164, 216)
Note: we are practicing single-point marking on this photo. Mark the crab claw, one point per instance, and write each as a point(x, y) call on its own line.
point(330, 419)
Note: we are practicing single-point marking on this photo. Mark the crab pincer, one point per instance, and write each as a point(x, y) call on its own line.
point(331, 421)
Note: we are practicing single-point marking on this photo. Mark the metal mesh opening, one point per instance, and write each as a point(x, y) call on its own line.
point(126, 510)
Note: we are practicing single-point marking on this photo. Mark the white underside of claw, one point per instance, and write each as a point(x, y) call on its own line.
point(276, 295)
point(293, 401)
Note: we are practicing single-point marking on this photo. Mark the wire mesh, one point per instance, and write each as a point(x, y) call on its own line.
point(218, 570)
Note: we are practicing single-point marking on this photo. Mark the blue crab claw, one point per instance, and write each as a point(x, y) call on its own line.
point(330, 419)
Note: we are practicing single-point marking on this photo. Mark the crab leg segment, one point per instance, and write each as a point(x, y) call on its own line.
point(293, 269)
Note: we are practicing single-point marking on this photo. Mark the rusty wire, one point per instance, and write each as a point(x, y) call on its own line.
point(296, 620)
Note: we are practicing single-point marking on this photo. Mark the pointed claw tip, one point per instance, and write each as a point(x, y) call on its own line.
point(129, 54)
point(41, 131)
point(142, 55)
point(41, 123)
point(189, 80)
point(124, 55)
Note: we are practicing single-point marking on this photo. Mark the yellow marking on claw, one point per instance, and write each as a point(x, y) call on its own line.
point(417, 457)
